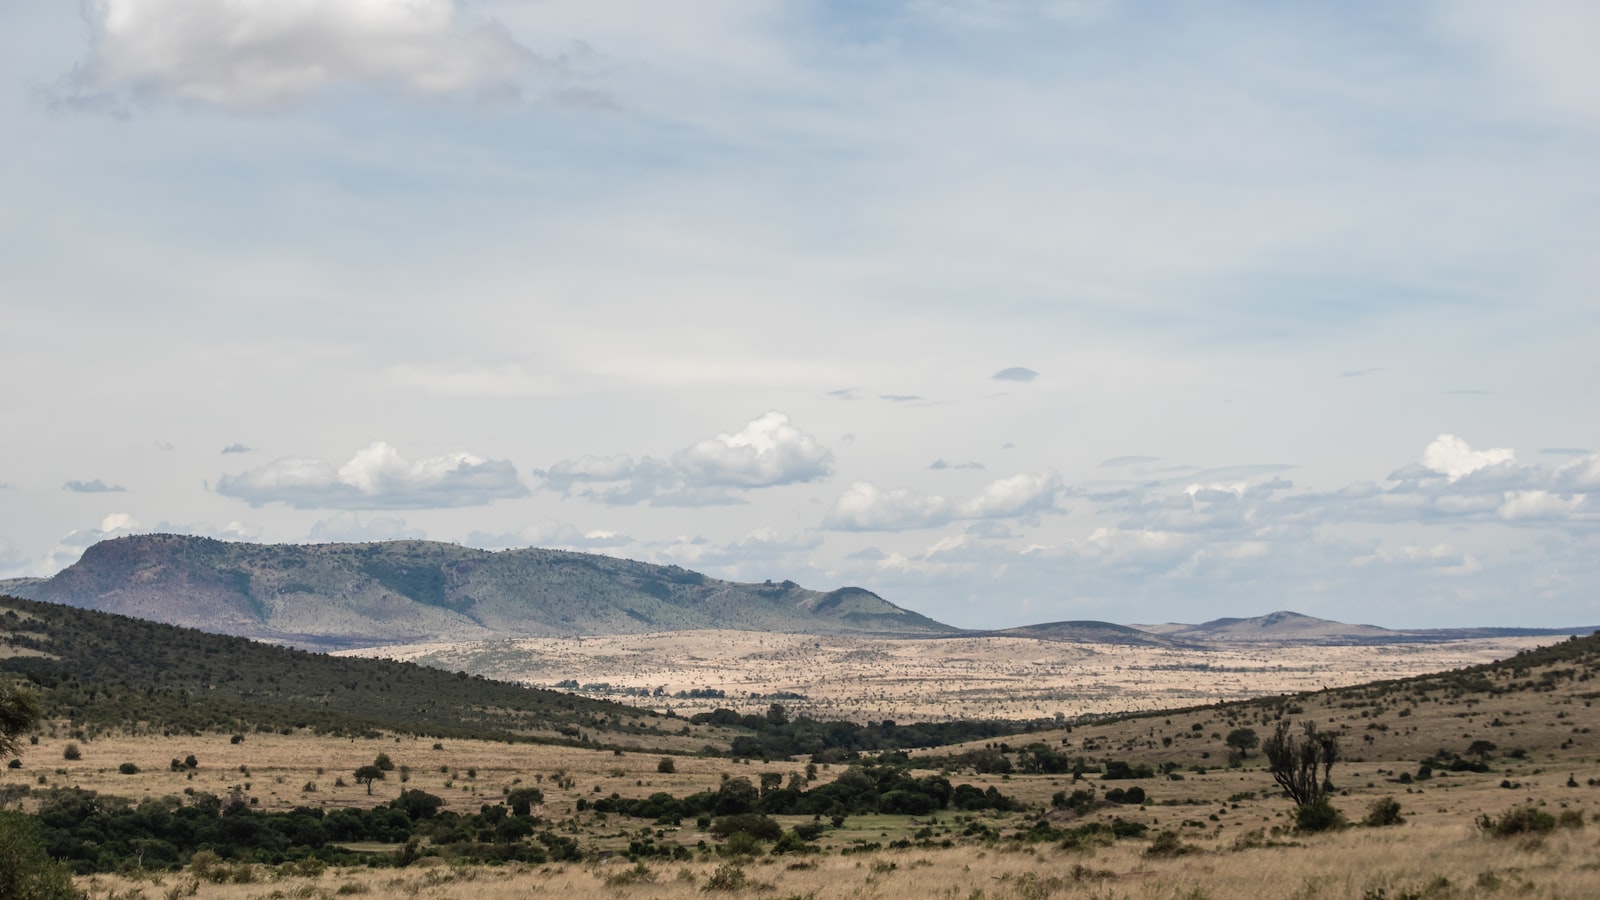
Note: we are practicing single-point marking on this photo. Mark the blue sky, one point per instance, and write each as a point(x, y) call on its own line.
point(1011, 312)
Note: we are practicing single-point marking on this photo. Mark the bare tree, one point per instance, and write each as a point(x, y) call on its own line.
point(1302, 767)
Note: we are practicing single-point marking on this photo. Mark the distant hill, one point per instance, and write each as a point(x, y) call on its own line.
point(346, 595)
point(1292, 626)
point(1088, 632)
point(1277, 626)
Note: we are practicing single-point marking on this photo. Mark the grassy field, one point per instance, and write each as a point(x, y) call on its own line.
point(1213, 827)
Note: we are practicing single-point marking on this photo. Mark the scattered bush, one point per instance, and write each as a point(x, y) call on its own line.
point(71, 752)
point(1517, 821)
point(1383, 811)
point(128, 768)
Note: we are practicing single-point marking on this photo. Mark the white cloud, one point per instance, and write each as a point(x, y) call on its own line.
point(259, 53)
point(1450, 456)
point(1580, 474)
point(1019, 495)
point(866, 507)
point(1524, 505)
point(768, 452)
point(377, 477)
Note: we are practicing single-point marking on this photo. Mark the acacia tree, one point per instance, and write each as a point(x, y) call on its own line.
point(367, 775)
point(1302, 767)
point(1243, 740)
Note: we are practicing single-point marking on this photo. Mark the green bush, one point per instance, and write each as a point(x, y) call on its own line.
point(1383, 811)
point(1318, 815)
point(1521, 820)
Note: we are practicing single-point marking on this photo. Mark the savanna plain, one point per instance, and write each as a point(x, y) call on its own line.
point(1481, 781)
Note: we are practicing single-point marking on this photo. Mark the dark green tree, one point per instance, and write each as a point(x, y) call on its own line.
point(367, 775)
point(1243, 740)
point(522, 800)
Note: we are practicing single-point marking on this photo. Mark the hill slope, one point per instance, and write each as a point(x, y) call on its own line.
point(108, 670)
point(343, 595)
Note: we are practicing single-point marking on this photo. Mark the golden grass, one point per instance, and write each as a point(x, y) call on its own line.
point(1446, 861)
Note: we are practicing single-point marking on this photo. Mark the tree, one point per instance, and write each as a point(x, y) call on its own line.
point(1481, 749)
point(522, 800)
point(19, 711)
point(384, 762)
point(367, 775)
point(1243, 740)
point(1302, 767)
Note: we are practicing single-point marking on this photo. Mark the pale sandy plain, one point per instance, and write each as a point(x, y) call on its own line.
point(910, 680)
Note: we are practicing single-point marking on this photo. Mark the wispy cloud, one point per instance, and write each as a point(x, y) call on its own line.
point(93, 487)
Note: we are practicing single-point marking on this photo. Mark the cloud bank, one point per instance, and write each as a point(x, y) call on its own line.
point(768, 452)
point(250, 54)
point(377, 477)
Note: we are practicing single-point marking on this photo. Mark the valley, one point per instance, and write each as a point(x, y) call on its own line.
point(935, 679)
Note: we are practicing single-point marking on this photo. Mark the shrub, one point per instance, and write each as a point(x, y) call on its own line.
point(128, 768)
point(71, 752)
point(1318, 815)
point(666, 766)
point(1383, 811)
point(1167, 843)
point(727, 877)
point(1521, 820)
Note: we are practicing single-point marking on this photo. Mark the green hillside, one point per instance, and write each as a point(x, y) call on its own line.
point(100, 670)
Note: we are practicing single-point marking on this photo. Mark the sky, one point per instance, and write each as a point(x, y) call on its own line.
point(1010, 312)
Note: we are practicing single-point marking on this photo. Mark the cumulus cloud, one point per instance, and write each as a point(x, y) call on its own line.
point(866, 507)
point(92, 487)
point(1451, 456)
point(1019, 495)
point(769, 451)
point(377, 477)
point(1015, 373)
point(940, 464)
point(250, 54)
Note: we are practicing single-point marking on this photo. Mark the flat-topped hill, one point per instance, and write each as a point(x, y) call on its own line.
point(333, 595)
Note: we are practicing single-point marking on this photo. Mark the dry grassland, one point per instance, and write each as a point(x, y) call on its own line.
point(1409, 861)
point(910, 680)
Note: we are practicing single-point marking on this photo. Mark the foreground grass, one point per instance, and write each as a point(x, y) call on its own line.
point(1451, 861)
